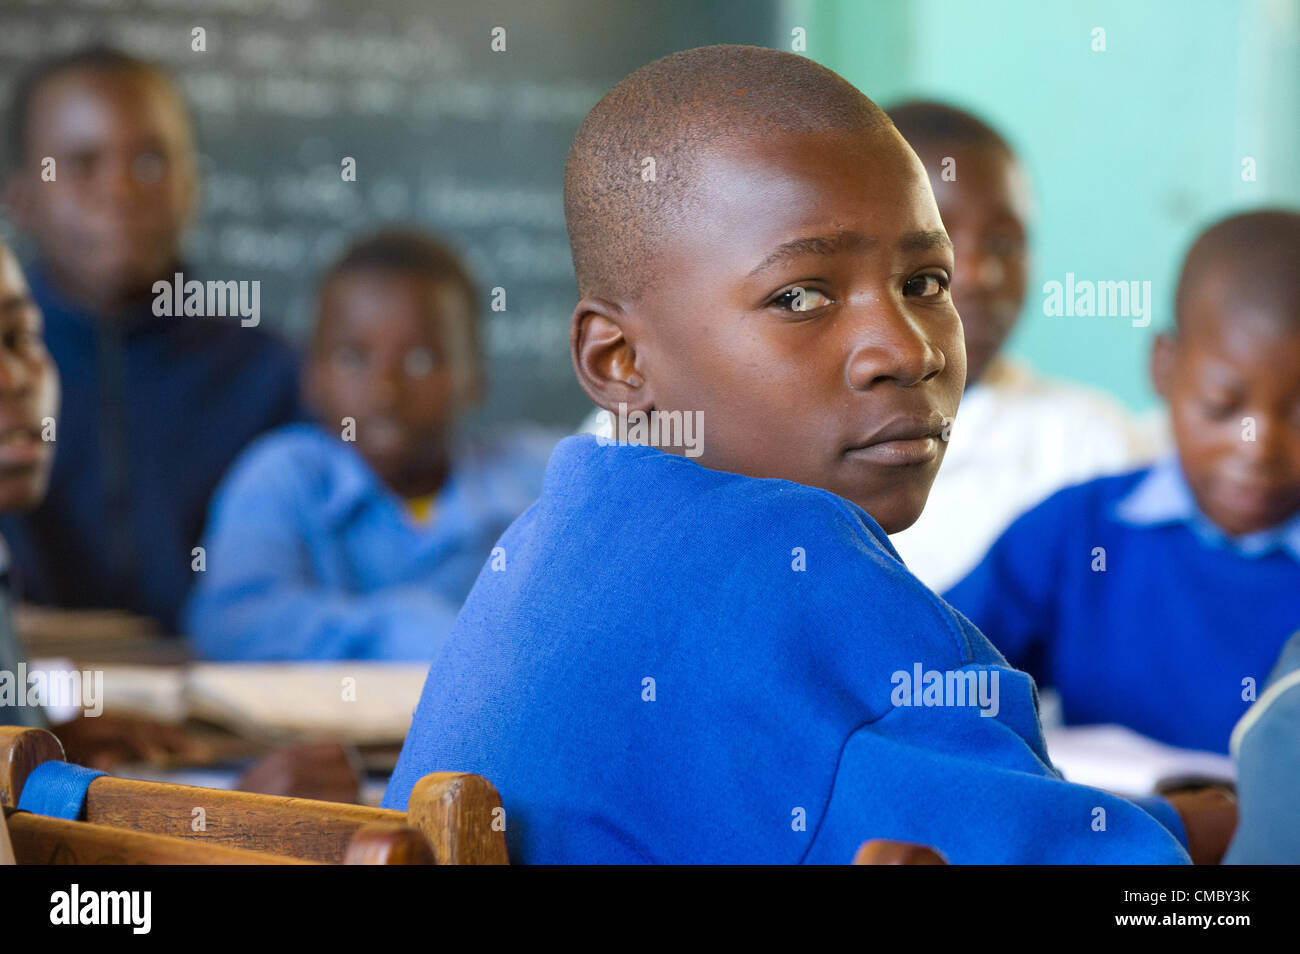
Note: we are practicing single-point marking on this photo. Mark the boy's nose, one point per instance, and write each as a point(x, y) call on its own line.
point(890, 345)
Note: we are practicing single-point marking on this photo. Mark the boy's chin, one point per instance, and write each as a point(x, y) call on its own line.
point(897, 512)
point(22, 488)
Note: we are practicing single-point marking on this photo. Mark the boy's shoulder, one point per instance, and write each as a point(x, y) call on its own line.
point(610, 473)
point(225, 342)
point(299, 459)
point(1092, 501)
point(817, 563)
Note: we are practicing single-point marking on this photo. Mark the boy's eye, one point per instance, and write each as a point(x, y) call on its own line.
point(928, 285)
point(1217, 410)
point(802, 299)
point(1004, 245)
point(418, 363)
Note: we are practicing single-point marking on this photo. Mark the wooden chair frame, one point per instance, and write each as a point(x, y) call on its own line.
point(452, 817)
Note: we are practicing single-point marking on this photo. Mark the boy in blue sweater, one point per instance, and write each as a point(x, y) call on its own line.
point(1160, 599)
point(154, 408)
point(359, 537)
point(708, 651)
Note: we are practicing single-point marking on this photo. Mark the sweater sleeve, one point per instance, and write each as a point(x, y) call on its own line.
point(259, 599)
point(907, 775)
point(1009, 595)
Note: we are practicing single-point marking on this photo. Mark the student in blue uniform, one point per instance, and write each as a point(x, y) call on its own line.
point(1268, 769)
point(358, 537)
point(720, 658)
point(1160, 599)
point(155, 408)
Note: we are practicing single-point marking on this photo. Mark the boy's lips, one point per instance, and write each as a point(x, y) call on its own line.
point(903, 441)
point(20, 446)
point(1250, 498)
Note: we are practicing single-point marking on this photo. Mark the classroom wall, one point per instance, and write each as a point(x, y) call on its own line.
point(1132, 150)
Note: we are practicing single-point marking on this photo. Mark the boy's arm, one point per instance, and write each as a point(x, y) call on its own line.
point(259, 599)
point(1009, 594)
point(259, 617)
point(974, 788)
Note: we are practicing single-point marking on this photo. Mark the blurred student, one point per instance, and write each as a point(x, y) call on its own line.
point(1159, 599)
point(1018, 436)
point(1264, 747)
point(103, 182)
point(704, 652)
point(359, 536)
point(29, 400)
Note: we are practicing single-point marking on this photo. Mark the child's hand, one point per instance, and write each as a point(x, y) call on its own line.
point(107, 741)
point(322, 770)
point(1210, 817)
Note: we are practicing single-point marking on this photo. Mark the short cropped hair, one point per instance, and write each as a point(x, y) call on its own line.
point(1262, 247)
point(412, 251)
point(97, 57)
point(924, 122)
point(668, 111)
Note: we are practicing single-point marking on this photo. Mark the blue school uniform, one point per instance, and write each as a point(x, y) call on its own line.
point(1125, 598)
point(153, 412)
point(676, 664)
point(311, 556)
point(1268, 769)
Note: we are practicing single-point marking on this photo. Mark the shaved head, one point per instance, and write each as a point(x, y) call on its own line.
point(931, 123)
point(670, 111)
point(1255, 254)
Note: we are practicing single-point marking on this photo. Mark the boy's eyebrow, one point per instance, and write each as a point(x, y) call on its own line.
point(849, 242)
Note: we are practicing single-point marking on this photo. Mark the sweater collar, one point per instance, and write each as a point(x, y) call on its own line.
point(1163, 497)
point(469, 496)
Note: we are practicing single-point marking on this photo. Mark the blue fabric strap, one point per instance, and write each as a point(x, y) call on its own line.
point(57, 789)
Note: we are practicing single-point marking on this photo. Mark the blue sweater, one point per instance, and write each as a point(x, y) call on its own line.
point(310, 556)
point(1163, 638)
point(682, 665)
point(154, 410)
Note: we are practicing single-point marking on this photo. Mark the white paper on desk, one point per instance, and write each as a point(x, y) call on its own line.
point(1120, 760)
point(363, 703)
point(154, 691)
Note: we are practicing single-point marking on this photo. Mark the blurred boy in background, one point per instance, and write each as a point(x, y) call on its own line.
point(1160, 599)
point(1018, 436)
point(359, 537)
point(155, 408)
point(29, 399)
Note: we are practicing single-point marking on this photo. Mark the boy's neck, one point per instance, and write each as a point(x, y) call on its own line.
point(104, 305)
point(424, 481)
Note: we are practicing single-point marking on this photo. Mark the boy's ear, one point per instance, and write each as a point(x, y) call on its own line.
point(602, 344)
point(1163, 353)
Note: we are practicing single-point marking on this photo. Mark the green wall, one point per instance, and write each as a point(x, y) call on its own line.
point(1131, 150)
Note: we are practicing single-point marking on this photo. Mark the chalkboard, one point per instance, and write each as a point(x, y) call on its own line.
point(446, 133)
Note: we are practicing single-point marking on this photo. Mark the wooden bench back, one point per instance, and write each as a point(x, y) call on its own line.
point(42, 840)
point(457, 816)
